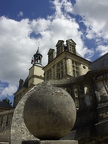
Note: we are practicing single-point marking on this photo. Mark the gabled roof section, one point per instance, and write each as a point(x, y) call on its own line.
point(71, 41)
point(26, 83)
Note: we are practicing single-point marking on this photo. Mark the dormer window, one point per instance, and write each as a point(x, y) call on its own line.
point(60, 47)
point(51, 55)
point(71, 45)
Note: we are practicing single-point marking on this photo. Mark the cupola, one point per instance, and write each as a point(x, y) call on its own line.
point(37, 58)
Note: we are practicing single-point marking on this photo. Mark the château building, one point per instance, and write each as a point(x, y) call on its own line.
point(62, 64)
point(85, 81)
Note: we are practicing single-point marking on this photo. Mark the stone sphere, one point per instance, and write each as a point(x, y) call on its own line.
point(49, 112)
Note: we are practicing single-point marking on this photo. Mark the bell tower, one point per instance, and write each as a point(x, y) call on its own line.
point(36, 73)
point(37, 58)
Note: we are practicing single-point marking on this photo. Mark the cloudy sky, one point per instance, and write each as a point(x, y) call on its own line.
point(27, 24)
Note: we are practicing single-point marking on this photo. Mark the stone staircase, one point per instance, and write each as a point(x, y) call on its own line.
point(4, 139)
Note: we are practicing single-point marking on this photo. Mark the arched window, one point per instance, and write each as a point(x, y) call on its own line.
point(87, 96)
point(76, 96)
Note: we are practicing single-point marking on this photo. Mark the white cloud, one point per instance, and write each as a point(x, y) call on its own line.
point(17, 47)
point(40, 25)
point(8, 91)
point(94, 14)
point(20, 14)
point(102, 49)
point(62, 7)
point(1, 87)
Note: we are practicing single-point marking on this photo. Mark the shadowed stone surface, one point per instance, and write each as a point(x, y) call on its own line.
point(49, 112)
point(19, 130)
point(51, 142)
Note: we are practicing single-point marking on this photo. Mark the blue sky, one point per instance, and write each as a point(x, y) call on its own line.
point(27, 24)
point(31, 9)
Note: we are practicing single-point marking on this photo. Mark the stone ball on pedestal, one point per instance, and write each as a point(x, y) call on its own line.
point(49, 112)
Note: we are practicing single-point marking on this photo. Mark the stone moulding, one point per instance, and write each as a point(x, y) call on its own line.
point(50, 142)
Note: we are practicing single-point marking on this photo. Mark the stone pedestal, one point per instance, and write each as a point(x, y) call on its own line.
point(50, 142)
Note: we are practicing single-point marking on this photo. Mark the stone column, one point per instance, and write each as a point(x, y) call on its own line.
point(69, 66)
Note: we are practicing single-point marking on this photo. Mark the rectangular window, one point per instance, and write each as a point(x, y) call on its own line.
point(75, 69)
point(60, 70)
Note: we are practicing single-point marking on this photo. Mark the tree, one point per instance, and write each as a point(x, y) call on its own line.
point(6, 100)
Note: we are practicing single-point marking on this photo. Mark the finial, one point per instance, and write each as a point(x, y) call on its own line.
point(38, 44)
point(37, 50)
point(38, 47)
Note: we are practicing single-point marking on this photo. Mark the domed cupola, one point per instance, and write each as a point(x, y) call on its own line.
point(37, 58)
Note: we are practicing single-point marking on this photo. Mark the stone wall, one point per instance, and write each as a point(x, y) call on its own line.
point(5, 120)
point(19, 130)
point(80, 89)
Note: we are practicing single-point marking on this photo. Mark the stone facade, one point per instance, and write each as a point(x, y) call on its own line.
point(66, 63)
point(92, 117)
point(36, 75)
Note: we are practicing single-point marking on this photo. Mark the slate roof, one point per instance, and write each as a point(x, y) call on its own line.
point(25, 82)
point(100, 63)
point(5, 105)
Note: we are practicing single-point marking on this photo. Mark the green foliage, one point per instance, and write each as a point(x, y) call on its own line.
point(6, 100)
